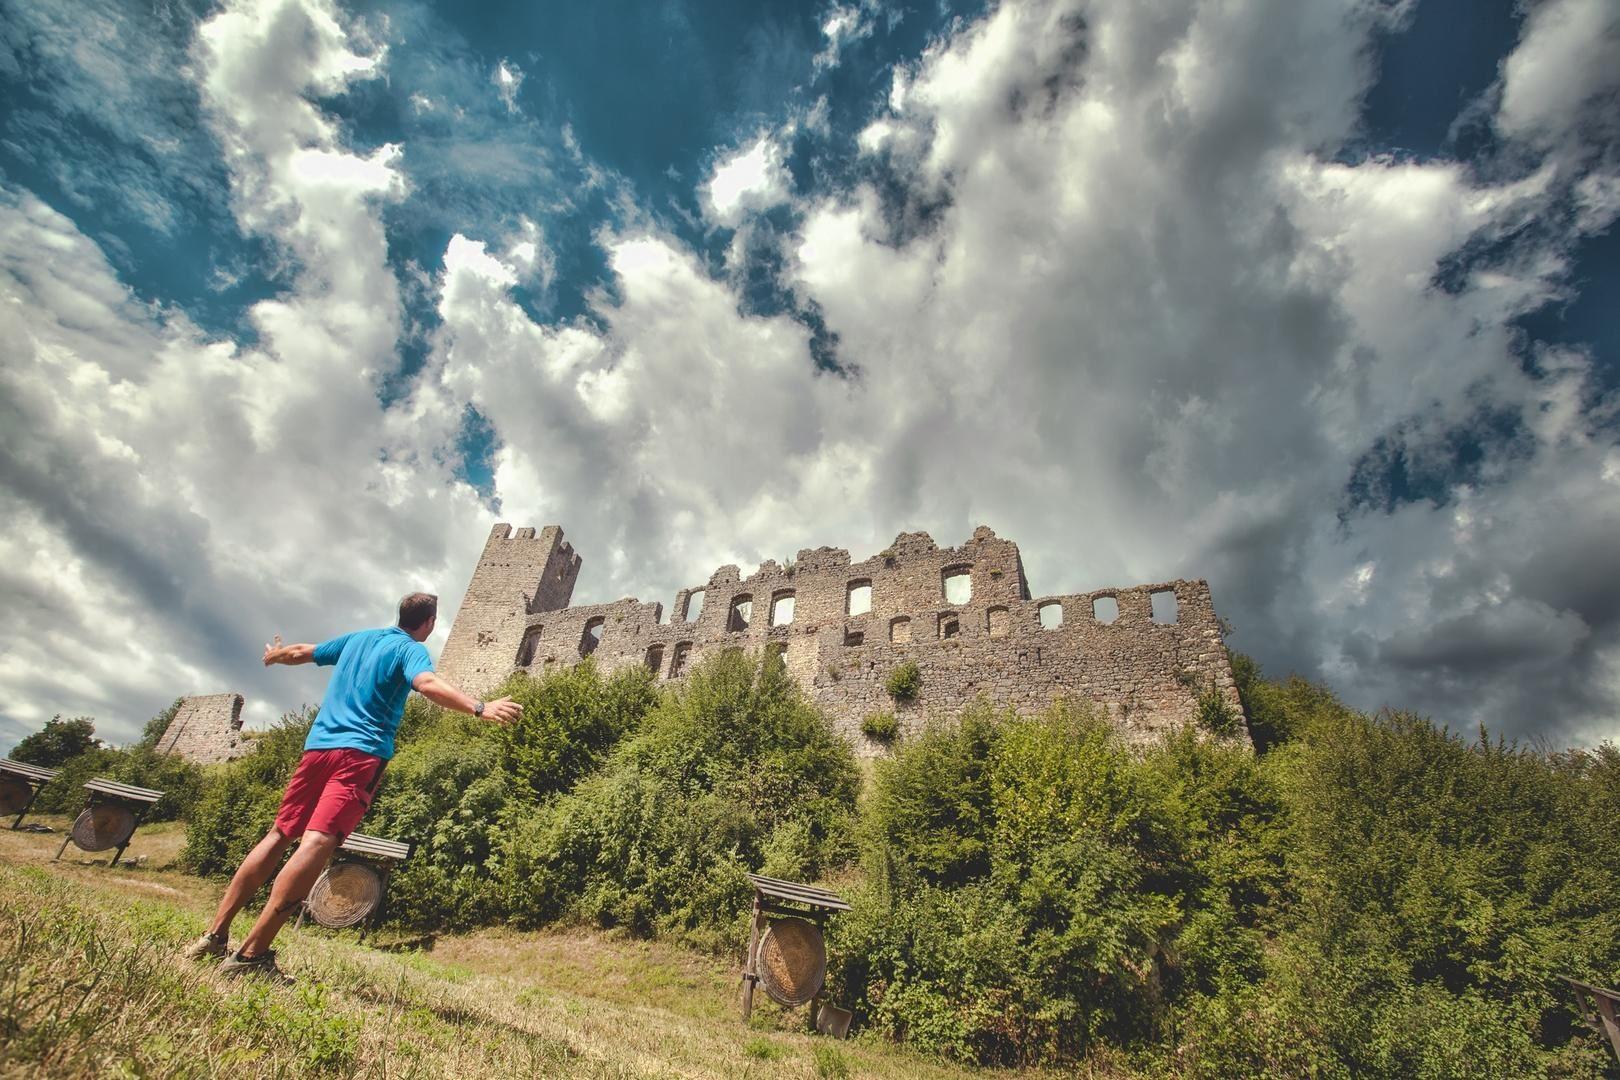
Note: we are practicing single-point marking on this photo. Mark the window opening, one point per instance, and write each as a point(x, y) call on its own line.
point(860, 597)
point(854, 637)
point(782, 609)
point(694, 605)
point(996, 622)
point(1164, 606)
point(900, 631)
point(592, 637)
point(1105, 609)
point(1051, 615)
point(742, 610)
point(949, 625)
point(531, 643)
point(655, 658)
point(958, 584)
point(677, 666)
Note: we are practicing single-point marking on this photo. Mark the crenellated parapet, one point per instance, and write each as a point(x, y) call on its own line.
point(964, 615)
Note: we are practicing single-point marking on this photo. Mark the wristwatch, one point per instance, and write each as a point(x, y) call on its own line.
point(478, 709)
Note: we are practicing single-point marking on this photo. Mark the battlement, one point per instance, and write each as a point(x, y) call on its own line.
point(964, 615)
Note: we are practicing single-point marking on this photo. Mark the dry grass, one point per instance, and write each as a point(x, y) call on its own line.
point(90, 985)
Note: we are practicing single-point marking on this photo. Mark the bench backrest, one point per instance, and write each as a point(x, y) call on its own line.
point(28, 772)
point(126, 792)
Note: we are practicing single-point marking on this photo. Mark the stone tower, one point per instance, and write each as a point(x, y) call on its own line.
point(519, 574)
point(206, 728)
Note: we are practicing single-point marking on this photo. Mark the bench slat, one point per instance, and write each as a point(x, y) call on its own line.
point(794, 892)
point(32, 772)
point(123, 791)
point(376, 846)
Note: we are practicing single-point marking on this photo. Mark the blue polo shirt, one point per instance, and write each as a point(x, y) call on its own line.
point(366, 697)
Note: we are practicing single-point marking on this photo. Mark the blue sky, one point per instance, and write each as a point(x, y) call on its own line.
point(1305, 298)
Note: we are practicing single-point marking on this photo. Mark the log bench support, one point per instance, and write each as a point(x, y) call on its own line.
point(136, 800)
point(17, 774)
point(381, 856)
point(790, 900)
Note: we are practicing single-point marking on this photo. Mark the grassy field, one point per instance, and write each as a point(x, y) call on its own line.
point(91, 985)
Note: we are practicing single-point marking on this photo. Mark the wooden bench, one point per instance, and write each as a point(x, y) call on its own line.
point(801, 953)
point(110, 817)
point(1600, 1008)
point(355, 887)
point(19, 787)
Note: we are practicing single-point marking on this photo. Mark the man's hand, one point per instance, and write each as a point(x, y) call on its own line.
point(277, 653)
point(502, 710)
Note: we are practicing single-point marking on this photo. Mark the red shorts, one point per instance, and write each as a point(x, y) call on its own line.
point(329, 792)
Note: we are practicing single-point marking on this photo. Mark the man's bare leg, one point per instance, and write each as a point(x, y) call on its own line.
point(254, 872)
point(292, 885)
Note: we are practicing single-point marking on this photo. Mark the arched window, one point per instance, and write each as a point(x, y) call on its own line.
point(858, 601)
point(694, 606)
point(531, 644)
point(996, 622)
point(742, 610)
point(1051, 615)
point(677, 666)
point(1165, 609)
point(957, 584)
point(1105, 609)
point(949, 625)
point(782, 608)
point(655, 658)
point(592, 637)
point(900, 630)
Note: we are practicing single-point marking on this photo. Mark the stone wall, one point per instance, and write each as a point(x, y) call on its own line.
point(963, 615)
point(206, 729)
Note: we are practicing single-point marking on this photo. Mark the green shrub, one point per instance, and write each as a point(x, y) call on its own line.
point(57, 743)
point(904, 682)
point(881, 727)
point(733, 769)
point(445, 792)
point(180, 781)
point(571, 719)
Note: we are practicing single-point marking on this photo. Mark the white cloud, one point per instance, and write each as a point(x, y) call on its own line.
point(753, 179)
point(508, 79)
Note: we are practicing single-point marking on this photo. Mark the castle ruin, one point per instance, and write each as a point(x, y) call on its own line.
point(963, 615)
point(206, 729)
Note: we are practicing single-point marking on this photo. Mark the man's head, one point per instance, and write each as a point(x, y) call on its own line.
point(417, 614)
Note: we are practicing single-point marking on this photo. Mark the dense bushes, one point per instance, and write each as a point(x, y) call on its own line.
point(1369, 896)
point(1374, 897)
point(733, 771)
point(1031, 881)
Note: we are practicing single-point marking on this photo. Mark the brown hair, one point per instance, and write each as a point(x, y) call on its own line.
point(416, 609)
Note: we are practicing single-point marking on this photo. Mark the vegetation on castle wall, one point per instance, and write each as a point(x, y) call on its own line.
point(904, 682)
point(881, 727)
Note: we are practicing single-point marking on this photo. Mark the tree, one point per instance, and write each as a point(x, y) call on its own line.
point(59, 742)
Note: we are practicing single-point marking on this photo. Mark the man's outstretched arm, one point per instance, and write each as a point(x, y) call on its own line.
point(277, 653)
point(429, 685)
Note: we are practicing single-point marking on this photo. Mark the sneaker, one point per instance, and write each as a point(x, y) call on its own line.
point(206, 946)
point(263, 965)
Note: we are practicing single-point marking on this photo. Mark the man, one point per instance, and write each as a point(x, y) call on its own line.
point(348, 745)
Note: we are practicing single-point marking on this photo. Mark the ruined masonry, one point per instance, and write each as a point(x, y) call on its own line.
point(206, 729)
point(963, 615)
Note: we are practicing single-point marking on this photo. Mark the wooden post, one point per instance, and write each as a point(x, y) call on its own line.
point(750, 966)
point(29, 805)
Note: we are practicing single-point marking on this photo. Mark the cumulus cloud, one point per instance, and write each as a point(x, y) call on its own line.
point(1100, 279)
point(755, 178)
